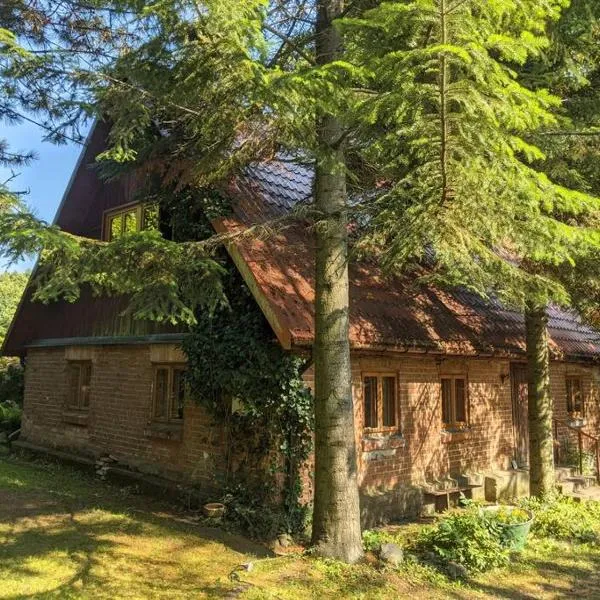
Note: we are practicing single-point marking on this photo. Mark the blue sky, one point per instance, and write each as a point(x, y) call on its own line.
point(46, 178)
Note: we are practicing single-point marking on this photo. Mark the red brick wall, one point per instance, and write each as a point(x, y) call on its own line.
point(119, 414)
point(590, 379)
point(120, 411)
point(423, 451)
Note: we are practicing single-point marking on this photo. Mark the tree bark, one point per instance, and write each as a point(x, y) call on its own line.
point(541, 441)
point(336, 516)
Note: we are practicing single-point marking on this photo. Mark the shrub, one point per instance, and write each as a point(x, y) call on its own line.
point(373, 539)
point(563, 518)
point(11, 381)
point(10, 417)
point(246, 511)
point(472, 538)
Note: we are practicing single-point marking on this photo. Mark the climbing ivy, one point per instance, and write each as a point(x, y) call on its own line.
point(245, 379)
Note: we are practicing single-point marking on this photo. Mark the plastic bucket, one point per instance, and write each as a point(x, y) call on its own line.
point(514, 535)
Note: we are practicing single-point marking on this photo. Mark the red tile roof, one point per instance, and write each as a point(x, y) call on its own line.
point(385, 313)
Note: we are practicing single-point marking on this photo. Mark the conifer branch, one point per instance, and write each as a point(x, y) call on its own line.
point(291, 43)
point(443, 83)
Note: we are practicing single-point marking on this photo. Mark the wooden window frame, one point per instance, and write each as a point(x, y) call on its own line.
point(122, 210)
point(171, 368)
point(79, 405)
point(569, 401)
point(453, 424)
point(381, 428)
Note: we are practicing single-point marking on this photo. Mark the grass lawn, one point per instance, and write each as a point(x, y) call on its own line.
point(66, 535)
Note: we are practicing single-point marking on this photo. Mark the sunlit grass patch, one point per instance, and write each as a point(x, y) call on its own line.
point(65, 535)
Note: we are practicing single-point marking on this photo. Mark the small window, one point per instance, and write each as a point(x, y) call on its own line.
point(130, 219)
point(575, 403)
point(380, 402)
point(454, 402)
point(169, 393)
point(79, 379)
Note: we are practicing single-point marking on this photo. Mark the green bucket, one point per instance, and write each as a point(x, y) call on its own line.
point(515, 534)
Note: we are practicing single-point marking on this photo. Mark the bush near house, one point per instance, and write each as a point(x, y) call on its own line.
point(11, 395)
point(563, 518)
point(10, 417)
point(476, 539)
point(12, 286)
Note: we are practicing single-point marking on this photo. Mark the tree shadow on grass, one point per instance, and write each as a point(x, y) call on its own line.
point(86, 534)
point(575, 574)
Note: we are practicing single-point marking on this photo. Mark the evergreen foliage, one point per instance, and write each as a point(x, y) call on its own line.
point(448, 125)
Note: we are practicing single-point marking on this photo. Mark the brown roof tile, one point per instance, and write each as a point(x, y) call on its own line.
point(385, 313)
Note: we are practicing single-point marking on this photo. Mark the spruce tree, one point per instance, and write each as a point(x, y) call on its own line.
point(210, 87)
point(336, 518)
point(449, 125)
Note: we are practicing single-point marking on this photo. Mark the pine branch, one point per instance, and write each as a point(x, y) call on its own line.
point(291, 43)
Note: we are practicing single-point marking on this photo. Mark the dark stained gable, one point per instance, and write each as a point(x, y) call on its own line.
point(81, 212)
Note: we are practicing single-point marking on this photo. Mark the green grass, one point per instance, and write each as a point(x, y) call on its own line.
point(66, 535)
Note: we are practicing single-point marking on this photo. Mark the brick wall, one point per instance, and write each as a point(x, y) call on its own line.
point(391, 466)
point(119, 414)
point(590, 380)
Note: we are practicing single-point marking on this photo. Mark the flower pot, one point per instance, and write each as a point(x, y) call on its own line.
point(514, 534)
point(214, 510)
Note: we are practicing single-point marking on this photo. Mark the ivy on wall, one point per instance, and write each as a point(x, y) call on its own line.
point(240, 373)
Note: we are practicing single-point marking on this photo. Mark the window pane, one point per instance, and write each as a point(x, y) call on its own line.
point(447, 401)
point(178, 394)
point(574, 395)
point(370, 401)
point(577, 396)
point(85, 380)
point(150, 220)
point(389, 401)
point(161, 393)
point(115, 227)
point(460, 410)
point(130, 225)
point(73, 385)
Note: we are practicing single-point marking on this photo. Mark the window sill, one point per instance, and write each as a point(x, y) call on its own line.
point(75, 417)
point(576, 421)
point(165, 431)
point(373, 441)
point(450, 436)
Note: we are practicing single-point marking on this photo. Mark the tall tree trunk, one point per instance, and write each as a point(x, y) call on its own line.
point(336, 517)
point(541, 442)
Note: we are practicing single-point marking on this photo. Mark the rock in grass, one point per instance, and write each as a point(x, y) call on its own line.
point(285, 540)
point(391, 554)
point(456, 570)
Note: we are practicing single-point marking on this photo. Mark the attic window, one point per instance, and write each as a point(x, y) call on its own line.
point(129, 219)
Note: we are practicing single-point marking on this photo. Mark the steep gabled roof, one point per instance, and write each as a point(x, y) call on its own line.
point(81, 211)
point(385, 314)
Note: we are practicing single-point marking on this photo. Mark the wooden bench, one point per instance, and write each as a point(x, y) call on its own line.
point(441, 494)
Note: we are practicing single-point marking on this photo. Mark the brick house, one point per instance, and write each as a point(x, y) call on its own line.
point(438, 377)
